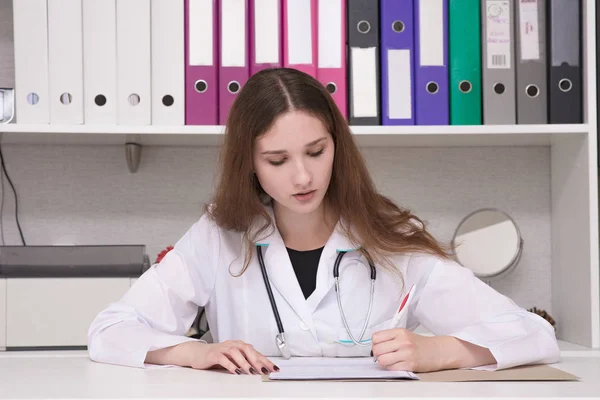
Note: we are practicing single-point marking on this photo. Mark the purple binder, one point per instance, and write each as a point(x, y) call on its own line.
point(397, 33)
point(201, 81)
point(431, 67)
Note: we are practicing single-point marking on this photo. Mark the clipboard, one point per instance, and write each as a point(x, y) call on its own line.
point(530, 373)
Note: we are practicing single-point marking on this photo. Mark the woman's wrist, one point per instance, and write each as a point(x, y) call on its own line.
point(455, 353)
point(180, 354)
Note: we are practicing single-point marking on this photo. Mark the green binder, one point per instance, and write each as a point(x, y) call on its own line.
point(464, 52)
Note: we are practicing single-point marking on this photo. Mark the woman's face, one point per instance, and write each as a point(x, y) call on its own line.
point(293, 161)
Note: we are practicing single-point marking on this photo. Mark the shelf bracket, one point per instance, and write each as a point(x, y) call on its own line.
point(133, 155)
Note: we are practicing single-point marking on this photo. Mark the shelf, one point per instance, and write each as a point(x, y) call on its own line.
point(371, 136)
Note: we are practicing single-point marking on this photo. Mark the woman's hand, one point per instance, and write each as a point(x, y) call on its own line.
point(235, 356)
point(402, 350)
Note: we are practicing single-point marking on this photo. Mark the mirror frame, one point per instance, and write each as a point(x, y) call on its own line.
point(514, 260)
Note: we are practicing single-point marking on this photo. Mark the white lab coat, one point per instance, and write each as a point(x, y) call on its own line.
point(448, 299)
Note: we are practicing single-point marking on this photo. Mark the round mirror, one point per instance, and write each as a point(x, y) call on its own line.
point(488, 242)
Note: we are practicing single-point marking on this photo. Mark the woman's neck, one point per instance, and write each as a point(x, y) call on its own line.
point(304, 231)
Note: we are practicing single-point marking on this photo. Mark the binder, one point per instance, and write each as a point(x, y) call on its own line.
point(133, 63)
point(168, 62)
point(363, 63)
point(233, 68)
point(565, 62)
point(30, 29)
point(497, 29)
point(431, 62)
point(201, 62)
point(531, 65)
point(300, 35)
point(331, 49)
point(464, 53)
point(100, 62)
point(65, 61)
point(265, 35)
point(397, 63)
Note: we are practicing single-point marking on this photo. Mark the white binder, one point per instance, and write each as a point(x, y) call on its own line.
point(65, 61)
point(134, 102)
point(100, 61)
point(168, 62)
point(30, 27)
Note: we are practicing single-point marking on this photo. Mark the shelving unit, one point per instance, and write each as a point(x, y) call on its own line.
point(575, 266)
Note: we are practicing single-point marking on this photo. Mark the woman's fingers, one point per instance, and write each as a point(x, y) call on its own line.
point(260, 363)
point(236, 355)
point(226, 363)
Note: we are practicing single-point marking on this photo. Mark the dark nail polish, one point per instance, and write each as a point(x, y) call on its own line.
point(275, 367)
point(371, 353)
point(252, 371)
point(238, 371)
point(264, 370)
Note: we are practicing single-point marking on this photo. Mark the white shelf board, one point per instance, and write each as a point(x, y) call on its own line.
point(194, 135)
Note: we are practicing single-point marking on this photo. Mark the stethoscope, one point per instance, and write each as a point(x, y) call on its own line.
point(280, 338)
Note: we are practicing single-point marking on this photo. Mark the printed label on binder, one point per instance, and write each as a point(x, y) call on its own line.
point(498, 35)
point(530, 39)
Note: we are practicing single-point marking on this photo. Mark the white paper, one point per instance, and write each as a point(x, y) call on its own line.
point(431, 32)
point(364, 82)
point(400, 85)
point(300, 41)
point(266, 31)
point(233, 33)
point(498, 35)
point(330, 33)
point(200, 25)
point(530, 38)
point(318, 368)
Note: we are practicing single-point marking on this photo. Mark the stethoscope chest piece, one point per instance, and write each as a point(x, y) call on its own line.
point(282, 345)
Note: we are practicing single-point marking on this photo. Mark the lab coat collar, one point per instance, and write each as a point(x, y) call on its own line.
point(283, 278)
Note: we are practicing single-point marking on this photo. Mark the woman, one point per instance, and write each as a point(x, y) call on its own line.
point(294, 188)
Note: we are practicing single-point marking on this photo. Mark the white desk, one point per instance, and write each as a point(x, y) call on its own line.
point(70, 375)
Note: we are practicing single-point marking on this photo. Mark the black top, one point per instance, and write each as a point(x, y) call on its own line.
point(305, 265)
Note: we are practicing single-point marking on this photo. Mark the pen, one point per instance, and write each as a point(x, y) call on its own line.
point(402, 310)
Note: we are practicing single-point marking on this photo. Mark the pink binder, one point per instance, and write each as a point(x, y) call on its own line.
point(333, 77)
point(201, 64)
point(233, 61)
point(293, 21)
point(274, 6)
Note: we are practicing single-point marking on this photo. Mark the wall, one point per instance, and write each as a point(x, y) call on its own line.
point(85, 195)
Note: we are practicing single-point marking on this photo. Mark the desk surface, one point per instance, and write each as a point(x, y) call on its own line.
point(70, 374)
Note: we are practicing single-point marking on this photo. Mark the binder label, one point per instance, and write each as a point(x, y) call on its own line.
point(266, 31)
point(529, 30)
point(498, 36)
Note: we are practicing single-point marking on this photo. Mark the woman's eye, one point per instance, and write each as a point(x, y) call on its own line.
point(278, 162)
point(316, 154)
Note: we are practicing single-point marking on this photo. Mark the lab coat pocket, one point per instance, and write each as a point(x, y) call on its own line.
point(347, 348)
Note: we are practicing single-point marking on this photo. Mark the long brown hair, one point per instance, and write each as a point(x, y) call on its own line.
point(374, 222)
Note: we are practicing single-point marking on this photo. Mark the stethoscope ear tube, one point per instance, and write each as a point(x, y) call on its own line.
point(280, 338)
point(268, 286)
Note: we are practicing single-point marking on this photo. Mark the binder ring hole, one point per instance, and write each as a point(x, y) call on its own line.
point(565, 85)
point(233, 87)
point(134, 99)
point(100, 100)
point(398, 26)
point(168, 100)
point(33, 98)
point(66, 98)
point(201, 86)
point(432, 87)
point(331, 87)
point(499, 88)
point(465, 86)
point(363, 26)
point(532, 91)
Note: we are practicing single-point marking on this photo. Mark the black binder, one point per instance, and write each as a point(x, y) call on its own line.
point(565, 105)
point(364, 83)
